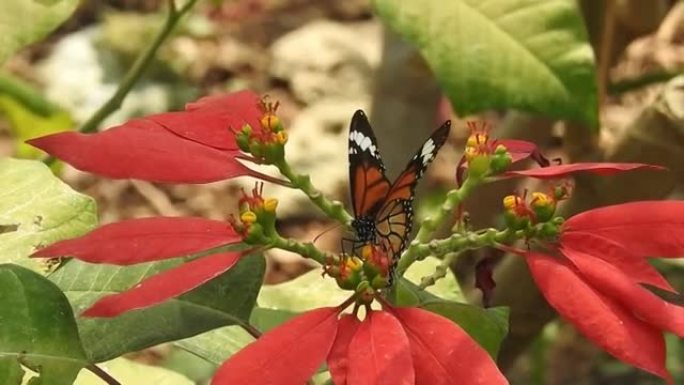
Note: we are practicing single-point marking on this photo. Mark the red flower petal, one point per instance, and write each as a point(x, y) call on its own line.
point(632, 265)
point(564, 170)
point(167, 284)
point(143, 240)
point(213, 120)
point(650, 228)
point(599, 318)
point(286, 355)
point(379, 353)
point(143, 150)
point(612, 282)
point(443, 354)
point(338, 358)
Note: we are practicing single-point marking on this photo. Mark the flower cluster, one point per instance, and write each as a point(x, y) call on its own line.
point(592, 267)
point(390, 346)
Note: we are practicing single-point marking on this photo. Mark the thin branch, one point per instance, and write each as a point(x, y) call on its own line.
point(141, 63)
point(251, 329)
point(104, 376)
point(135, 72)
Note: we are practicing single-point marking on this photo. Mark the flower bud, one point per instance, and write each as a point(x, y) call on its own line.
point(500, 160)
point(351, 273)
point(543, 206)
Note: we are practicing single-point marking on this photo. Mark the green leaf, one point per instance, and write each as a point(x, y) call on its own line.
point(225, 300)
point(308, 291)
point(27, 124)
point(487, 326)
point(127, 372)
point(445, 288)
point(533, 55)
point(37, 328)
point(25, 21)
point(218, 345)
point(36, 208)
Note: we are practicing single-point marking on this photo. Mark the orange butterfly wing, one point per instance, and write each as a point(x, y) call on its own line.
point(383, 211)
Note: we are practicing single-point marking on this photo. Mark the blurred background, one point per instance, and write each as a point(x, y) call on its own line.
point(322, 60)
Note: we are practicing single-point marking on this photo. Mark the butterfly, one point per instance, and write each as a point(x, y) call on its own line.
point(383, 211)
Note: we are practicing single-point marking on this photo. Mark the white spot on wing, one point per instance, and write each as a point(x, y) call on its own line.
point(426, 153)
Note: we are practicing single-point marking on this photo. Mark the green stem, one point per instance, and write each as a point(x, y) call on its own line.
point(440, 271)
point(333, 209)
point(135, 72)
point(453, 199)
point(306, 250)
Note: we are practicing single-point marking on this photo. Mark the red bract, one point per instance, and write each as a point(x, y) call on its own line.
point(564, 170)
point(151, 239)
point(193, 146)
point(521, 149)
point(287, 355)
point(338, 358)
point(596, 280)
point(213, 120)
point(143, 240)
point(379, 353)
point(443, 354)
point(393, 347)
point(165, 285)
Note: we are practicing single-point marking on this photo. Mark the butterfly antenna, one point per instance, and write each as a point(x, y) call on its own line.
point(325, 231)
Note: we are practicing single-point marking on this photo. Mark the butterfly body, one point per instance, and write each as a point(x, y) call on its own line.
point(383, 210)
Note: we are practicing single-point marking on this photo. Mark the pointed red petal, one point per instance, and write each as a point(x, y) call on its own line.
point(649, 228)
point(379, 353)
point(599, 318)
point(568, 169)
point(338, 358)
point(443, 354)
point(165, 285)
point(143, 240)
point(286, 355)
point(143, 150)
point(612, 282)
point(632, 265)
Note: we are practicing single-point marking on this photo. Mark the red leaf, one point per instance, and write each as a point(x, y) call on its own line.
point(443, 354)
point(338, 358)
point(649, 228)
point(379, 353)
point(143, 240)
point(286, 355)
point(564, 170)
point(599, 318)
point(167, 284)
point(632, 265)
point(143, 150)
point(213, 120)
point(612, 282)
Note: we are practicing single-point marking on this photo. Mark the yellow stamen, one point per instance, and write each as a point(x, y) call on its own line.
point(270, 204)
point(248, 217)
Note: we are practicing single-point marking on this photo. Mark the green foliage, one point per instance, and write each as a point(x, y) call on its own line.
point(36, 208)
point(225, 300)
point(25, 21)
point(218, 345)
point(27, 124)
point(37, 329)
point(533, 55)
